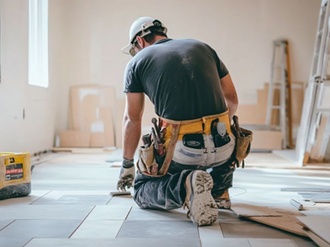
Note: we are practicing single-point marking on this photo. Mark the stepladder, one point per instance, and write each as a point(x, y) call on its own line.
point(278, 114)
point(314, 132)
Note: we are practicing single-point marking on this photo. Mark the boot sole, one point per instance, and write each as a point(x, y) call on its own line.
point(203, 209)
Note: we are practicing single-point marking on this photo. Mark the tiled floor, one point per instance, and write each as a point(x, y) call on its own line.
point(70, 205)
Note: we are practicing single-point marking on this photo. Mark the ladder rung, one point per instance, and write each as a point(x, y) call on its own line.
point(323, 110)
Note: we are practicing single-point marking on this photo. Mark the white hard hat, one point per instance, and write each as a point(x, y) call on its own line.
point(142, 27)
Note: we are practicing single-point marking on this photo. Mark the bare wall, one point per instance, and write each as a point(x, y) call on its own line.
point(27, 112)
point(86, 37)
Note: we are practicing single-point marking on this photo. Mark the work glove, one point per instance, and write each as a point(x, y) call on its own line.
point(126, 176)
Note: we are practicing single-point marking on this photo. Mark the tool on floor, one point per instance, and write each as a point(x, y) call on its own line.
point(296, 204)
point(120, 193)
point(15, 175)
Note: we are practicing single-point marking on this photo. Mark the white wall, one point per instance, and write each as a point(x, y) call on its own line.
point(26, 112)
point(86, 37)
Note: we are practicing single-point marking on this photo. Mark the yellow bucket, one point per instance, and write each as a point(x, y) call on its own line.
point(15, 175)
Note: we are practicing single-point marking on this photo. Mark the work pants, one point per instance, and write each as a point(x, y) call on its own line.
point(168, 192)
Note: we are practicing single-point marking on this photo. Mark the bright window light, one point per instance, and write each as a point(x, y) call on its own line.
point(38, 43)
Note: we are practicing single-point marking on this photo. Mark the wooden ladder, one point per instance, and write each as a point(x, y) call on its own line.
point(278, 114)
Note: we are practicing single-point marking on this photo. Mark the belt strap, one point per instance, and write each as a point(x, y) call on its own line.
point(170, 149)
point(200, 125)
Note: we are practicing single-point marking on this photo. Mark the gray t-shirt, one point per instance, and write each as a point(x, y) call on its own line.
point(180, 76)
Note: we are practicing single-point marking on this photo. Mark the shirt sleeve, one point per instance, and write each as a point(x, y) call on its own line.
point(132, 84)
point(223, 71)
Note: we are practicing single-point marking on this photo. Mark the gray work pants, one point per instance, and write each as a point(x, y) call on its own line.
point(168, 192)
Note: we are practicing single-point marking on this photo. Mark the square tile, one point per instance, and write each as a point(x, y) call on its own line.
point(210, 234)
point(98, 229)
point(232, 242)
point(75, 200)
point(13, 242)
point(25, 200)
point(150, 214)
point(65, 212)
point(158, 229)
point(109, 212)
point(21, 231)
point(4, 223)
point(123, 200)
point(272, 243)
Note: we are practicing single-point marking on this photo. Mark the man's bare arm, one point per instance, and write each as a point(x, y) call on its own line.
point(230, 94)
point(132, 123)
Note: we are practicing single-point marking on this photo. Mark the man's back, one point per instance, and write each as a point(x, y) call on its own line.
point(181, 77)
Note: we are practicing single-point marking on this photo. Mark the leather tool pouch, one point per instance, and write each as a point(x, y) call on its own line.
point(152, 164)
point(146, 163)
point(243, 142)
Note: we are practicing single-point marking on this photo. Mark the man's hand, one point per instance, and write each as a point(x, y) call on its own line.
point(126, 176)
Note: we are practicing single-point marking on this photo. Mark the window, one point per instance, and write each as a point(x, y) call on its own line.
point(38, 43)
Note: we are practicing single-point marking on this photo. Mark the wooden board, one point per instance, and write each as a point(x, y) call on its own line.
point(277, 218)
point(247, 210)
point(286, 222)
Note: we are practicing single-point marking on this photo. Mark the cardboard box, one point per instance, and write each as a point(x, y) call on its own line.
point(91, 114)
point(74, 138)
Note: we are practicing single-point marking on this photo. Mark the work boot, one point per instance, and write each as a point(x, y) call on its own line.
point(223, 201)
point(202, 207)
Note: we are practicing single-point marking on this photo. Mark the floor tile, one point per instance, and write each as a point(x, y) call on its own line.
point(229, 242)
point(13, 242)
point(209, 235)
point(117, 242)
point(25, 200)
point(123, 200)
point(98, 229)
point(4, 223)
point(158, 229)
point(65, 212)
point(23, 230)
point(75, 200)
point(272, 243)
point(149, 214)
point(109, 212)
point(74, 189)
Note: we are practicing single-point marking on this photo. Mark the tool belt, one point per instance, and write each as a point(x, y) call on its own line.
point(155, 156)
point(200, 125)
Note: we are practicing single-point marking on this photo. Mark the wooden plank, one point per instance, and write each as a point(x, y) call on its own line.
point(286, 222)
point(277, 218)
point(247, 210)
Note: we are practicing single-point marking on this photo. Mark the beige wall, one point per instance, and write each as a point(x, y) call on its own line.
point(86, 37)
point(26, 112)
